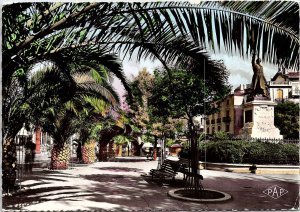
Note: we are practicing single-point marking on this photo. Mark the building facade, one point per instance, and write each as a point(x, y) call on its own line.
point(229, 115)
point(284, 87)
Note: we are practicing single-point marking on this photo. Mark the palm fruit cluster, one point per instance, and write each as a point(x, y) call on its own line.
point(60, 156)
point(88, 152)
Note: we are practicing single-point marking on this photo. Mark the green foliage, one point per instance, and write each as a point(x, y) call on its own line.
point(249, 152)
point(179, 93)
point(169, 142)
point(120, 139)
point(147, 138)
point(220, 135)
point(95, 131)
point(287, 119)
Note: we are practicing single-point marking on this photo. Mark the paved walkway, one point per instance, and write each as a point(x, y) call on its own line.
point(119, 186)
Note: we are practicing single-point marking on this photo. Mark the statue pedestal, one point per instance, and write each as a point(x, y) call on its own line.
point(259, 120)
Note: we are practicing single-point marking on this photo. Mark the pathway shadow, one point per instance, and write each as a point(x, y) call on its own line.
point(29, 197)
point(130, 191)
point(120, 169)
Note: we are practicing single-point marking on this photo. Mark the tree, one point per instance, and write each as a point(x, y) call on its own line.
point(61, 120)
point(120, 140)
point(181, 94)
point(34, 32)
point(287, 119)
point(46, 88)
point(165, 31)
point(140, 88)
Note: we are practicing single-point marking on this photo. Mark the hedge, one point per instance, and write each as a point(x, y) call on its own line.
point(249, 152)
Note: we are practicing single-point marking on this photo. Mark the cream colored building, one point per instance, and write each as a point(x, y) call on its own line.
point(230, 110)
point(284, 87)
point(229, 115)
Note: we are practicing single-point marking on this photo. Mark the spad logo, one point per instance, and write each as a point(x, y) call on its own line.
point(275, 192)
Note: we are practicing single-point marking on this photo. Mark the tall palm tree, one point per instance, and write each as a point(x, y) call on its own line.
point(167, 31)
point(90, 93)
point(53, 83)
point(130, 27)
point(35, 32)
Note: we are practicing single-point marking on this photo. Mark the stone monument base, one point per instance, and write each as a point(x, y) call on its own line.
point(259, 120)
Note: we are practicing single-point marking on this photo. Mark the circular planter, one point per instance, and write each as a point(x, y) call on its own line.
point(208, 195)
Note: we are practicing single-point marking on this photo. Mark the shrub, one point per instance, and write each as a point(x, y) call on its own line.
point(249, 152)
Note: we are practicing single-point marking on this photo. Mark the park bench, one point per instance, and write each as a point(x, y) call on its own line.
point(168, 170)
point(186, 169)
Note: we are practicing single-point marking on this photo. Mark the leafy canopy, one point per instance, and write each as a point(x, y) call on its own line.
point(182, 94)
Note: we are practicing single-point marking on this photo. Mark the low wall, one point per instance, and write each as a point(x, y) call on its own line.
point(244, 168)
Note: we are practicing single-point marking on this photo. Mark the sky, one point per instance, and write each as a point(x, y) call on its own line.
point(240, 70)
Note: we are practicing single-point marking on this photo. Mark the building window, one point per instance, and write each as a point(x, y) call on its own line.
point(207, 131)
point(227, 113)
point(227, 127)
point(219, 128)
point(213, 130)
point(227, 102)
point(248, 116)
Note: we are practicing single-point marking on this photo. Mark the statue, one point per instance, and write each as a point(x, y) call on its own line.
point(259, 83)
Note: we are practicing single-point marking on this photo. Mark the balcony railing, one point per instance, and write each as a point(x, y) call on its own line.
point(279, 83)
point(226, 119)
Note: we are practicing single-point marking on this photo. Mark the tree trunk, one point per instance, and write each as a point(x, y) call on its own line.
point(155, 148)
point(60, 156)
point(88, 152)
point(137, 148)
point(120, 150)
point(103, 152)
point(9, 164)
point(195, 184)
point(111, 149)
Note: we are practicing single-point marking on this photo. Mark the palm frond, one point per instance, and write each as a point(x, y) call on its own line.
point(86, 83)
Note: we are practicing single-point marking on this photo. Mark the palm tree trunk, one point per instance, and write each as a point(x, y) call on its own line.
point(60, 156)
point(88, 152)
point(120, 150)
point(9, 164)
point(103, 152)
point(111, 149)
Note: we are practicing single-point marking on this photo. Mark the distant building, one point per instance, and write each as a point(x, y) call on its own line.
point(229, 116)
point(285, 87)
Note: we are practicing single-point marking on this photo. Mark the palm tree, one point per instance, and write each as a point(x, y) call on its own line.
point(90, 126)
point(120, 140)
point(164, 31)
point(129, 27)
point(173, 32)
point(52, 83)
point(90, 93)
